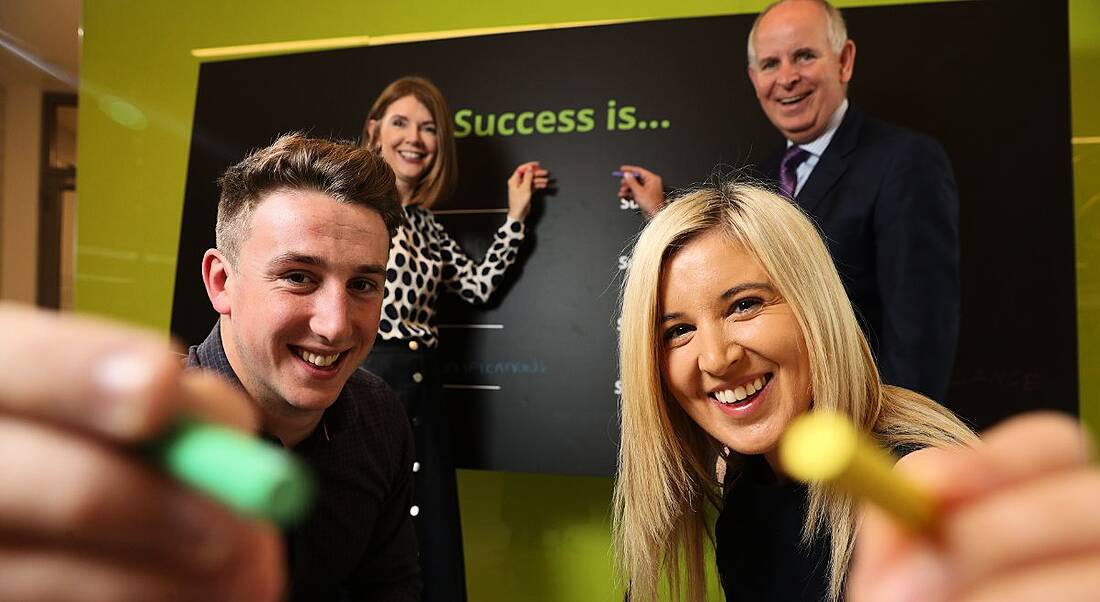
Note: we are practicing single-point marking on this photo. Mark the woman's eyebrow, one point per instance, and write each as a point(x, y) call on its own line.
point(747, 286)
point(407, 118)
point(670, 317)
point(730, 292)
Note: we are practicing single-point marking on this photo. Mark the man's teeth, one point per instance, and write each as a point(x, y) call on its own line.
point(321, 361)
point(741, 393)
point(792, 100)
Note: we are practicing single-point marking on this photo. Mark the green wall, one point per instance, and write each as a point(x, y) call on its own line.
point(1084, 43)
point(528, 537)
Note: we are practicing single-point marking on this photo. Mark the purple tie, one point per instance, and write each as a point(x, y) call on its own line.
point(794, 157)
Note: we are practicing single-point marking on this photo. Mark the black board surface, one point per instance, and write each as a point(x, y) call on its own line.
point(532, 376)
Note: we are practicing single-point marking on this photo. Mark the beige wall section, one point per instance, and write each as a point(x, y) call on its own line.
point(22, 132)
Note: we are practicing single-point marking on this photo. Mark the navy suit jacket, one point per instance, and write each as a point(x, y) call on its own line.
point(886, 201)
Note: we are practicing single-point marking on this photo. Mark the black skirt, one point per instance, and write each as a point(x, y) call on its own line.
point(412, 371)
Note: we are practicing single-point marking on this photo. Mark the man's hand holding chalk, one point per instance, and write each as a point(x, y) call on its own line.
point(254, 478)
point(84, 515)
point(643, 186)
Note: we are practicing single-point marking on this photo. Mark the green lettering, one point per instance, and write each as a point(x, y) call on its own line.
point(585, 120)
point(545, 122)
point(505, 130)
point(488, 129)
point(462, 126)
point(525, 129)
point(626, 118)
point(565, 121)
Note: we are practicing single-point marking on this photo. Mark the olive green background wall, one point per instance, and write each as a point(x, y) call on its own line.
point(528, 537)
point(1084, 43)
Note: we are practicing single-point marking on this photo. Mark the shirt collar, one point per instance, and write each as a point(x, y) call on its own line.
point(211, 356)
point(818, 145)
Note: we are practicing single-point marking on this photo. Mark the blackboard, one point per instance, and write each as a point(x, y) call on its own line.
point(531, 377)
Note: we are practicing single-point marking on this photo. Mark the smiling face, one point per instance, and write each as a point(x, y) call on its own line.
point(406, 136)
point(799, 79)
point(300, 309)
point(732, 353)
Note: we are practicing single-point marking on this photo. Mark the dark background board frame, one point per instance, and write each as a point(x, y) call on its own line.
point(945, 69)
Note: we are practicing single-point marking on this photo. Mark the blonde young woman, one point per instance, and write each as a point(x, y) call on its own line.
point(734, 322)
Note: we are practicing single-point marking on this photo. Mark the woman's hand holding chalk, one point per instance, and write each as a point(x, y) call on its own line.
point(824, 447)
point(1013, 518)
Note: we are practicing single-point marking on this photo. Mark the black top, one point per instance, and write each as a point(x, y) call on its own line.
point(758, 539)
point(358, 541)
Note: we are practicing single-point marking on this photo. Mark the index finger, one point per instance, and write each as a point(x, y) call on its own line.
point(646, 174)
point(117, 381)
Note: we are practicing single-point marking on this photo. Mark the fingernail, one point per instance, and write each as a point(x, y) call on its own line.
point(921, 575)
point(123, 379)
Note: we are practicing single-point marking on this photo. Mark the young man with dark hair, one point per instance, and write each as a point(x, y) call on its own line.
point(303, 237)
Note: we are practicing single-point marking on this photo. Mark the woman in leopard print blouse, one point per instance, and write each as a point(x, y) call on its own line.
point(411, 126)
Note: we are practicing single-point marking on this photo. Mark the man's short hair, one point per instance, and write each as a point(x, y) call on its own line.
point(836, 32)
point(339, 169)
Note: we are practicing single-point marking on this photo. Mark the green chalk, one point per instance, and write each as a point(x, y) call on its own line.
point(253, 477)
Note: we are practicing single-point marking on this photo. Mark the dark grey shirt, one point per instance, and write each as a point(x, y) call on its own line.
point(358, 541)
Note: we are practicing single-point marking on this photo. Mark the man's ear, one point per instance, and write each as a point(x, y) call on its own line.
point(217, 276)
point(847, 61)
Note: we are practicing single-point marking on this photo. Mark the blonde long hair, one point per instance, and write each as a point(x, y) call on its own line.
point(666, 471)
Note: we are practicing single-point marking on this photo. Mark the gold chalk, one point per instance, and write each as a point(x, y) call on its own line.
point(824, 447)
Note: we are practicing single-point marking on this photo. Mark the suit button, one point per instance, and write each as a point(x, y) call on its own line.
point(416, 466)
point(413, 345)
point(414, 510)
point(417, 377)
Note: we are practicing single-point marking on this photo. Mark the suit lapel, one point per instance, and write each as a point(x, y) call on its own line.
point(833, 163)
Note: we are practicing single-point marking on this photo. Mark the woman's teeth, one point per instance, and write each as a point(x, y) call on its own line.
point(411, 156)
point(741, 393)
point(321, 361)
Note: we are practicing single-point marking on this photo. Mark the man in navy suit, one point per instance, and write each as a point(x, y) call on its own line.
point(884, 196)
